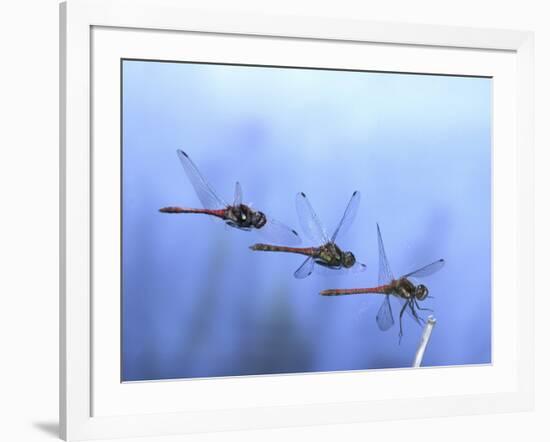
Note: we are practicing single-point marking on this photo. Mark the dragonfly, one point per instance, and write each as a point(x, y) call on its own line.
point(403, 289)
point(326, 255)
point(237, 215)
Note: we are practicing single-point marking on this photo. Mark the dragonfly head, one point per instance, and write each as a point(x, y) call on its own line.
point(258, 219)
point(244, 217)
point(348, 260)
point(421, 292)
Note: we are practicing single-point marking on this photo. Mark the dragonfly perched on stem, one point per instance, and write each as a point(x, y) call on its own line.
point(238, 215)
point(327, 254)
point(401, 289)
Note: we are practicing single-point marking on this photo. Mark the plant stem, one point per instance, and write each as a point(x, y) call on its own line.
point(430, 323)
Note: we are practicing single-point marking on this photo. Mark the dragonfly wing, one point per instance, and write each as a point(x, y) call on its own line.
point(238, 200)
point(349, 215)
point(385, 275)
point(332, 271)
point(309, 221)
point(329, 271)
point(305, 269)
point(428, 270)
point(279, 233)
point(384, 317)
point(206, 194)
point(358, 267)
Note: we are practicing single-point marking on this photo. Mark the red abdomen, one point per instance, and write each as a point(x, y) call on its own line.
point(220, 213)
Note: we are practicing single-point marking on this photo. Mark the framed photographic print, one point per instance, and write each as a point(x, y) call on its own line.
point(281, 221)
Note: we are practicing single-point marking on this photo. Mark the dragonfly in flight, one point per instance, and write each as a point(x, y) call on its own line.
point(403, 289)
point(238, 215)
point(325, 255)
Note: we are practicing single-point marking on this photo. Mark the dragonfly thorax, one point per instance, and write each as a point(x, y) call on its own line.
point(404, 288)
point(244, 217)
point(330, 255)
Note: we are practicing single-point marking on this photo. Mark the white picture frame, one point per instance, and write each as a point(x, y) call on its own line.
point(93, 405)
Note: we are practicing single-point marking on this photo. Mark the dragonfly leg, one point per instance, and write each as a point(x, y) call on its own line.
point(422, 308)
point(419, 319)
point(401, 320)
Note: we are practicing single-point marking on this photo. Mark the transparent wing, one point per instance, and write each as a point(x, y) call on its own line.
point(204, 191)
point(276, 232)
point(428, 270)
point(349, 215)
point(238, 194)
point(331, 271)
point(384, 317)
point(358, 267)
point(305, 269)
point(309, 221)
point(385, 274)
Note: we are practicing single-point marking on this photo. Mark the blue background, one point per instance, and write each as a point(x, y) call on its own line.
point(198, 303)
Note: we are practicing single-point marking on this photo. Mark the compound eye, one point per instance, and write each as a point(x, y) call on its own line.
point(421, 292)
point(349, 259)
point(259, 220)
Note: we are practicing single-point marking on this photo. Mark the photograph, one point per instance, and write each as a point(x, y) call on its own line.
point(298, 220)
